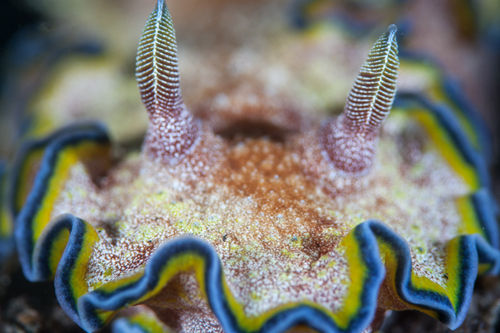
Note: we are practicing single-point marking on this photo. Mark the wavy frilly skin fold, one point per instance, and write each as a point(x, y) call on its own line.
point(446, 90)
point(61, 249)
point(140, 320)
point(305, 12)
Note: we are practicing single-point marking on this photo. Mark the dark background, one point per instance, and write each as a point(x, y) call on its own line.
point(14, 16)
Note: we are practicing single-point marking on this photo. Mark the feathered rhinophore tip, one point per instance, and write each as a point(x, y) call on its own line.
point(350, 140)
point(157, 68)
point(172, 129)
point(371, 97)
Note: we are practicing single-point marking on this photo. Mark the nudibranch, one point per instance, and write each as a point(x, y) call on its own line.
point(315, 224)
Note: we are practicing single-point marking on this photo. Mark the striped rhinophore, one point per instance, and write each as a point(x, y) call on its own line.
point(350, 140)
point(370, 99)
point(157, 68)
point(172, 129)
